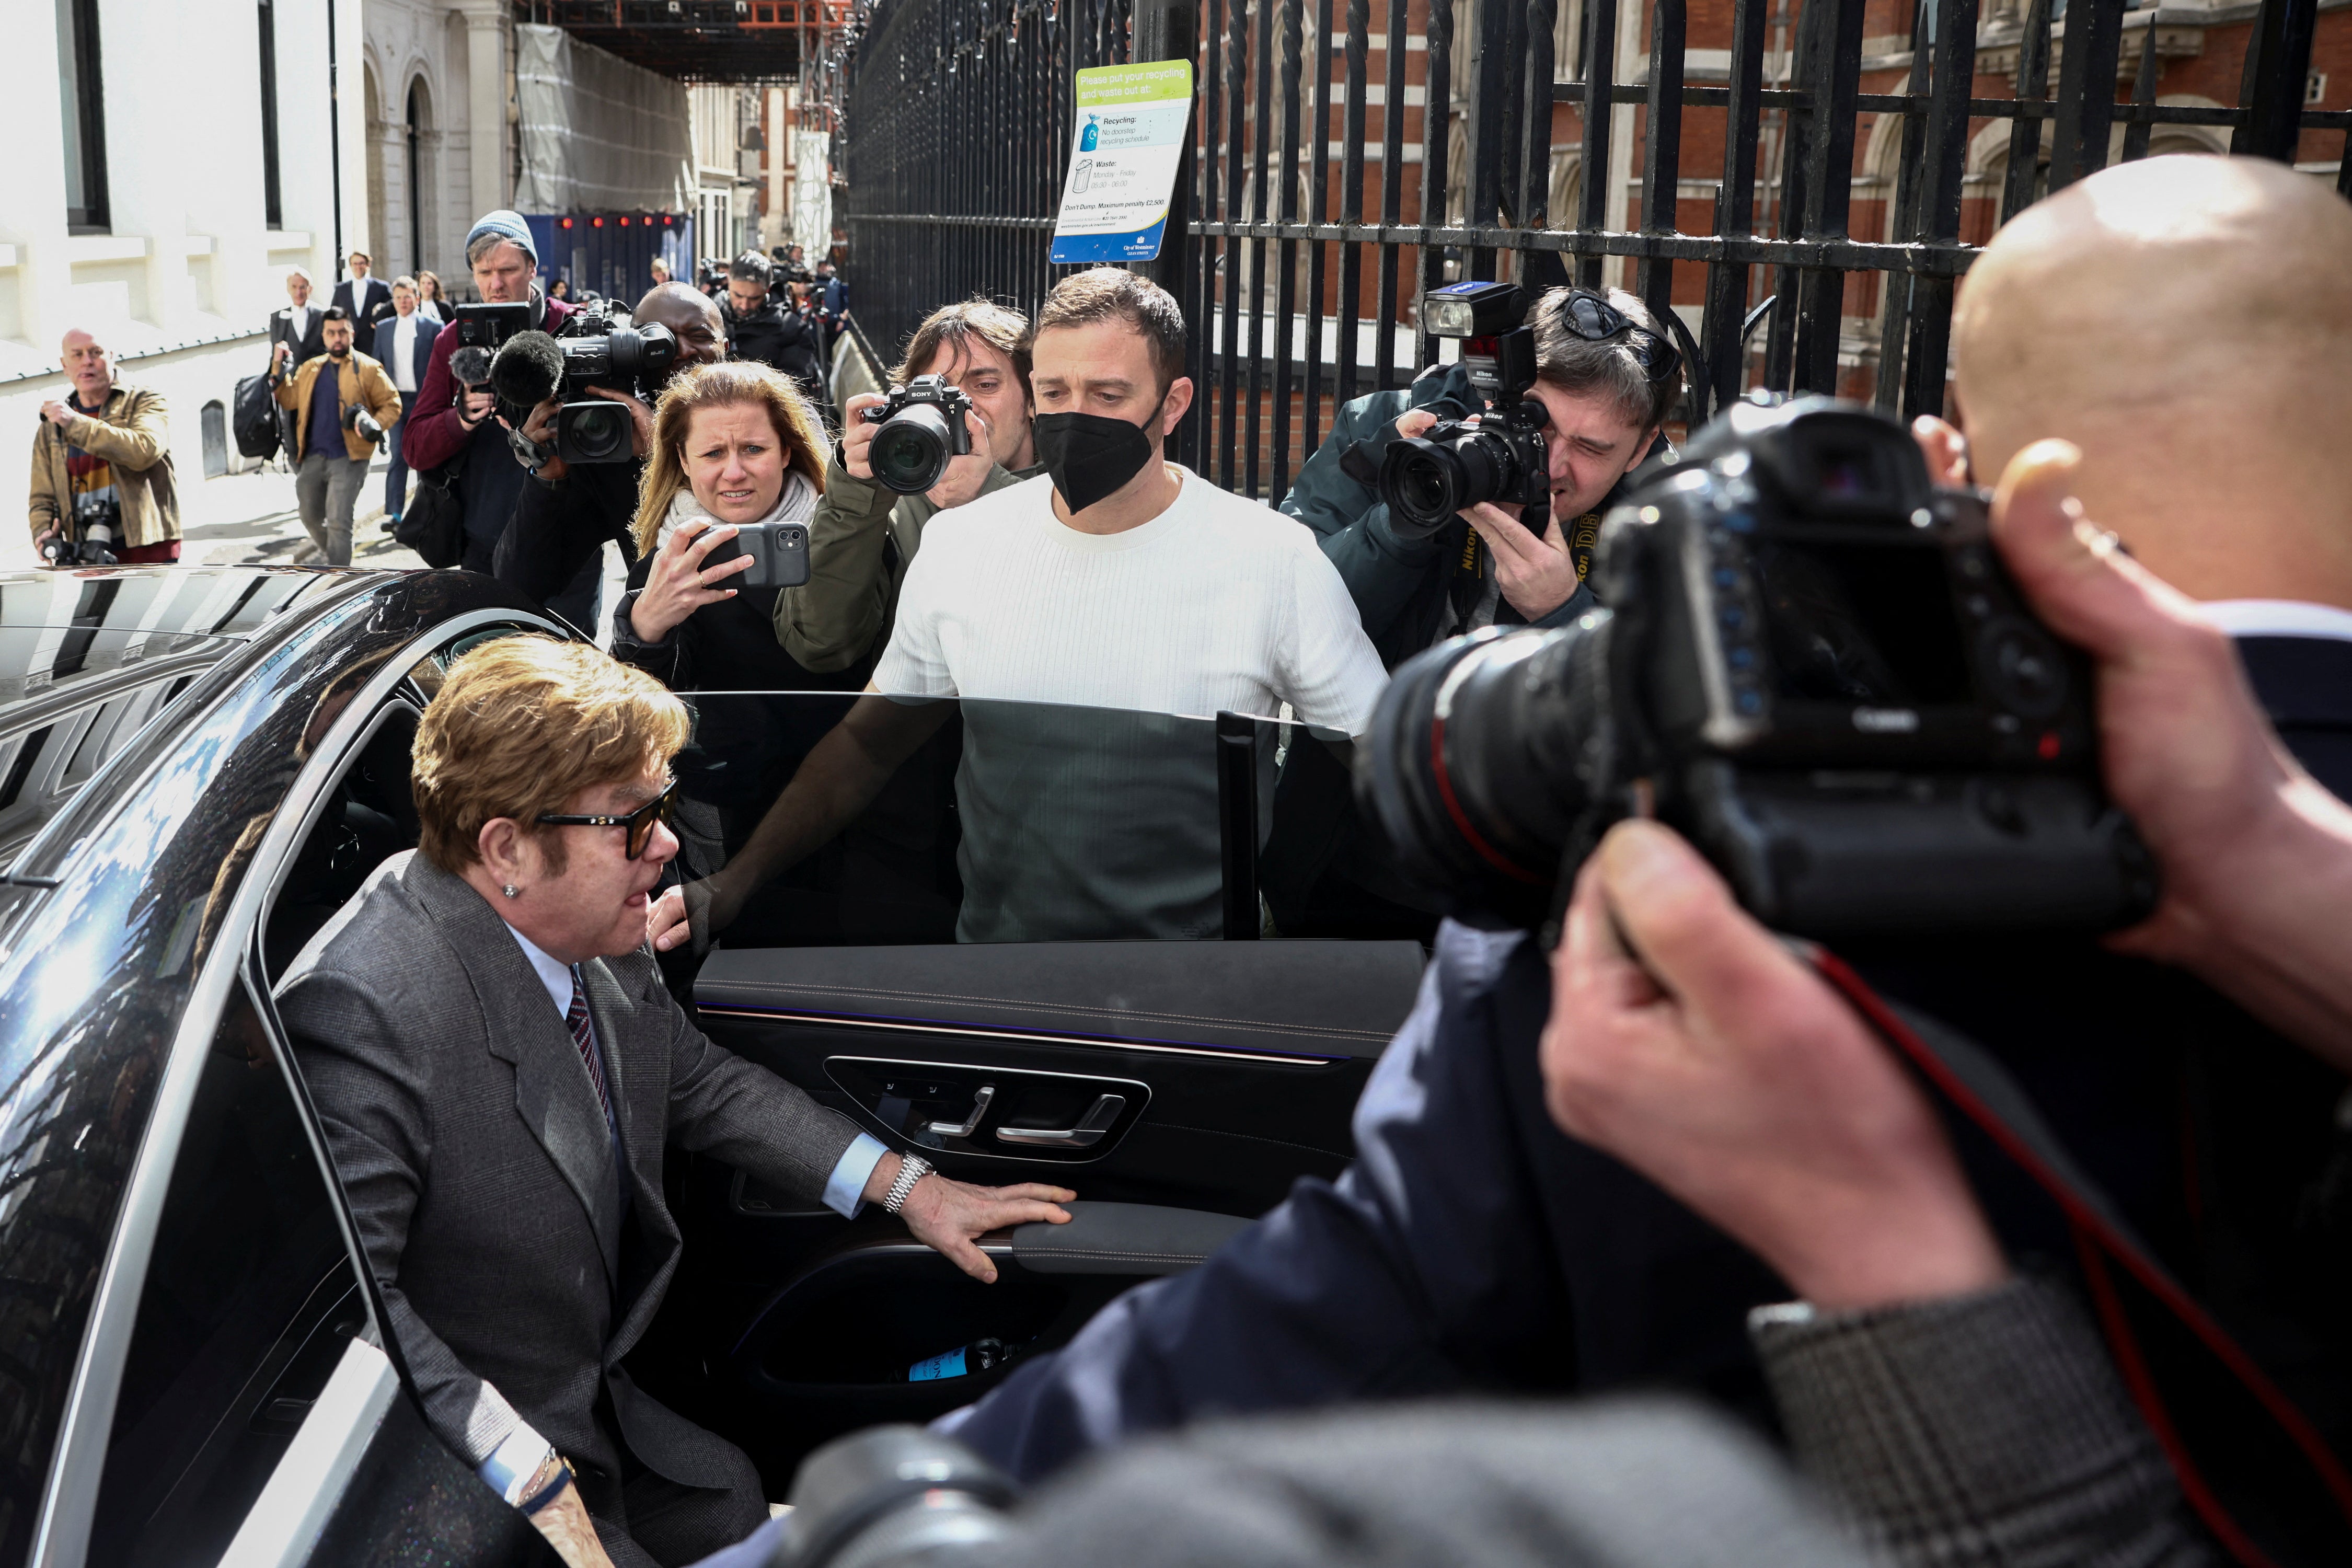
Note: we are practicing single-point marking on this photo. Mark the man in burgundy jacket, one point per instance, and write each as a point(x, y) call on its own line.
point(443, 426)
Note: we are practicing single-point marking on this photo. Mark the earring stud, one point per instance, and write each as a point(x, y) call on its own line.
point(511, 892)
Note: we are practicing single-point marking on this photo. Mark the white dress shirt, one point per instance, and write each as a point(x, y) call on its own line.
point(404, 355)
point(298, 324)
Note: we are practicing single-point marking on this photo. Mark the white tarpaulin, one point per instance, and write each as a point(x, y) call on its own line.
point(812, 193)
point(598, 133)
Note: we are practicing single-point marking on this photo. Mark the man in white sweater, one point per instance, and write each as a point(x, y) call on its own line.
point(1116, 579)
point(1091, 623)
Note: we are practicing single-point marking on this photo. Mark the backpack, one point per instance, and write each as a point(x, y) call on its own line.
point(433, 523)
point(254, 418)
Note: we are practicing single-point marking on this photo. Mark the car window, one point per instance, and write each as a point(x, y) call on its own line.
point(815, 818)
point(248, 1299)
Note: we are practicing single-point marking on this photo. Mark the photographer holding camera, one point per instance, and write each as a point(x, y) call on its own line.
point(102, 484)
point(866, 531)
point(451, 420)
point(1605, 378)
point(572, 505)
point(342, 403)
point(771, 330)
point(1535, 428)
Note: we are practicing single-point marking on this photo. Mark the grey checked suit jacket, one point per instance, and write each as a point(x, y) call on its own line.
point(479, 1168)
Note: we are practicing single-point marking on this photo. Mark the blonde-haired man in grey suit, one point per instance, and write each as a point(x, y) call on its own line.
point(499, 1066)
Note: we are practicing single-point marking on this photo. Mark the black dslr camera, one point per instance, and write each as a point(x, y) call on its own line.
point(89, 540)
point(1813, 665)
point(533, 367)
point(922, 427)
point(1427, 478)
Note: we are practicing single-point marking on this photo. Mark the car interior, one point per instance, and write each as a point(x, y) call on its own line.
point(1179, 1084)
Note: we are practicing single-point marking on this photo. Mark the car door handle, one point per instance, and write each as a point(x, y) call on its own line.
point(1084, 1135)
point(969, 1124)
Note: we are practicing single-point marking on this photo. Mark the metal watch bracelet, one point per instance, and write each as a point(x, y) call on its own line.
point(912, 1168)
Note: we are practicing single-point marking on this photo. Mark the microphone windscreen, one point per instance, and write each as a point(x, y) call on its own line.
point(470, 365)
point(528, 370)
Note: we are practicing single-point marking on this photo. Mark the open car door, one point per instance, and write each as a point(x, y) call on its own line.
point(996, 935)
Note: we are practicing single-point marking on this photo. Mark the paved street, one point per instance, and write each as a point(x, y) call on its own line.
point(251, 517)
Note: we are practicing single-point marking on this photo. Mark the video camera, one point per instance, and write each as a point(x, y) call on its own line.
point(1813, 665)
point(922, 425)
point(533, 367)
point(1427, 478)
point(88, 538)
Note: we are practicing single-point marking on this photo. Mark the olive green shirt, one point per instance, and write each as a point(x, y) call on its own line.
point(831, 621)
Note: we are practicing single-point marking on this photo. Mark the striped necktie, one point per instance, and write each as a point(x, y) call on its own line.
point(584, 1037)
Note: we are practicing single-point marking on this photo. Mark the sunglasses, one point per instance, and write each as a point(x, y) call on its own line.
point(1596, 320)
point(662, 808)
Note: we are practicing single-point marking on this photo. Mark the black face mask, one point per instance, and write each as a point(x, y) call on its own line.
point(1088, 456)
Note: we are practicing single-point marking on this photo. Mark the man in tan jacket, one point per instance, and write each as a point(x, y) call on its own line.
point(342, 403)
point(103, 468)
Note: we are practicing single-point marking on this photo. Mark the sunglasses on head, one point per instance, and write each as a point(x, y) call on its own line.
point(1596, 320)
point(662, 808)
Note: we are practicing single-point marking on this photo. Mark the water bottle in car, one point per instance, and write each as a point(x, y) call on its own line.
point(964, 1361)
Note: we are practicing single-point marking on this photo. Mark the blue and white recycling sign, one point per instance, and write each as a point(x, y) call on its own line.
point(1129, 140)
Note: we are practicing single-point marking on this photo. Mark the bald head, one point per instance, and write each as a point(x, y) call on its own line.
point(87, 364)
point(693, 315)
point(2188, 322)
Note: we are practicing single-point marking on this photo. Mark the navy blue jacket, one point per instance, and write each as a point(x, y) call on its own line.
point(427, 328)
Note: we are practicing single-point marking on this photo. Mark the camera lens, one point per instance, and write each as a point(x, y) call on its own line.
point(1422, 483)
point(910, 449)
point(638, 352)
point(595, 433)
point(1481, 759)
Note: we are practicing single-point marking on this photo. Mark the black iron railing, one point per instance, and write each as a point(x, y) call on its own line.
point(1305, 241)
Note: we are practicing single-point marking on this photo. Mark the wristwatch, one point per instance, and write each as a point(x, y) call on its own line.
point(912, 1168)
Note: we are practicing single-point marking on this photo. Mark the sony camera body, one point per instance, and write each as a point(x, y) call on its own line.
point(779, 552)
point(89, 537)
point(1812, 665)
point(923, 425)
point(1427, 478)
point(531, 367)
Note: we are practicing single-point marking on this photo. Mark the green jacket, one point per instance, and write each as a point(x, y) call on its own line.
point(860, 541)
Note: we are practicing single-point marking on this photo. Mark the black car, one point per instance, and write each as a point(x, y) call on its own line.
point(199, 766)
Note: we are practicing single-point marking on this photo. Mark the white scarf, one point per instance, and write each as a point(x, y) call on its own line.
point(797, 504)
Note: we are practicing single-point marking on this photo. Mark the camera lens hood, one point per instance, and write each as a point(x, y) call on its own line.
point(910, 449)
